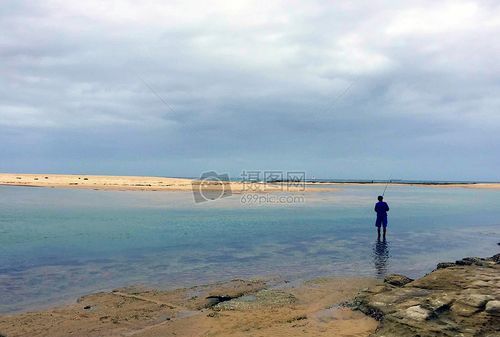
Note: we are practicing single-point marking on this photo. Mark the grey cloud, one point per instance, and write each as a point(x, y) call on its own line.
point(252, 90)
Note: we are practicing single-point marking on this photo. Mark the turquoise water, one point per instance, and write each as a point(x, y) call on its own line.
point(57, 244)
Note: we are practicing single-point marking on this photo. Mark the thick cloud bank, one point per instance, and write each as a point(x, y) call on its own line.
point(362, 89)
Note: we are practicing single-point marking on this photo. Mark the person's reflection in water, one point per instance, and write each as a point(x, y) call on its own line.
point(381, 257)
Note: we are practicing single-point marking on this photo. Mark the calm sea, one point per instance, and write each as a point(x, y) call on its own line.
point(57, 244)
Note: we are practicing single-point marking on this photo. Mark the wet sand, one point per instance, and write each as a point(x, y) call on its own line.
point(234, 308)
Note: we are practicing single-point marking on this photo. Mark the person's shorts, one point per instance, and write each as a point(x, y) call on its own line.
point(381, 221)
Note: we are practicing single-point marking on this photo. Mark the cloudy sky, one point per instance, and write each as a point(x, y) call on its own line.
point(339, 89)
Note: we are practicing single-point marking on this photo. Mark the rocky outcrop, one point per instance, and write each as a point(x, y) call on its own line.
point(459, 298)
point(397, 280)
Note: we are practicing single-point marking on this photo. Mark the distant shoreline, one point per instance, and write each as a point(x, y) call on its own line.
point(143, 183)
point(478, 185)
point(139, 183)
point(401, 182)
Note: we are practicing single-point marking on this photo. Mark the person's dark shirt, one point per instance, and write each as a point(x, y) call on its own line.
point(381, 208)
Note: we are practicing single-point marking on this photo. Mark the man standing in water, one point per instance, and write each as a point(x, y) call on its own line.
point(381, 208)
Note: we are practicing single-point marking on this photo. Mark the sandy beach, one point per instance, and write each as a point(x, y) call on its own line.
point(139, 183)
point(233, 308)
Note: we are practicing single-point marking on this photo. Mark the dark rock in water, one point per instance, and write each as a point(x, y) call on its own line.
point(463, 262)
point(474, 260)
point(397, 280)
point(468, 261)
point(443, 265)
point(459, 301)
point(214, 300)
point(495, 258)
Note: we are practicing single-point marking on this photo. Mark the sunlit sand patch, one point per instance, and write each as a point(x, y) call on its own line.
point(139, 183)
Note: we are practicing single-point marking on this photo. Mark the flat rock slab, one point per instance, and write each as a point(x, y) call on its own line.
point(456, 299)
point(263, 299)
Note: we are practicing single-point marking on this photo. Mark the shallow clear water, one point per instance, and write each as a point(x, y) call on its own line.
point(57, 244)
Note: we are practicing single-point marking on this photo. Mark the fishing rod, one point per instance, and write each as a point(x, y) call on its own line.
point(385, 189)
